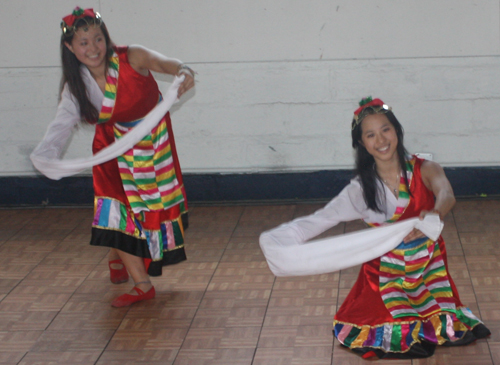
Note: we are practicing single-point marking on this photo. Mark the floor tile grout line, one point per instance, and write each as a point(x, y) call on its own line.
point(7, 240)
point(337, 302)
point(263, 321)
point(117, 327)
point(111, 337)
point(466, 263)
point(83, 281)
point(268, 302)
point(60, 242)
point(23, 357)
point(206, 288)
point(472, 283)
point(241, 239)
point(76, 289)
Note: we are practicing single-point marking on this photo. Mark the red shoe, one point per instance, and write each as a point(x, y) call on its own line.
point(118, 276)
point(125, 300)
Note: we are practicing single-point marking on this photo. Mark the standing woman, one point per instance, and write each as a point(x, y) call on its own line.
point(139, 197)
point(405, 302)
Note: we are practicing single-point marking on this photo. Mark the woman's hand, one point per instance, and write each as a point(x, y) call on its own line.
point(188, 82)
point(423, 213)
point(144, 60)
point(436, 181)
point(413, 235)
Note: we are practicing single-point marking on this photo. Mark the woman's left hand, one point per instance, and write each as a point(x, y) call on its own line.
point(187, 84)
point(423, 213)
point(144, 60)
point(413, 235)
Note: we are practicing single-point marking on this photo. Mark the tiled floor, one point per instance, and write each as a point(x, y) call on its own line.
point(222, 306)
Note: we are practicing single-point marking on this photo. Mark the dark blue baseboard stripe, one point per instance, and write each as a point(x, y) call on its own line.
point(467, 182)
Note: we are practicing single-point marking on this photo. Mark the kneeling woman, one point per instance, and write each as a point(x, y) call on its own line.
point(403, 303)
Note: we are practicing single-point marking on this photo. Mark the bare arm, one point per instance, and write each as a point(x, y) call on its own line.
point(144, 60)
point(435, 180)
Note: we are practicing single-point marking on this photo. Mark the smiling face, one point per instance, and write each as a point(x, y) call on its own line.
point(379, 137)
point(89, 47)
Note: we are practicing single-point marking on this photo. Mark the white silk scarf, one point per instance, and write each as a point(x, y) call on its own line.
point(56, 168)
point(287, 256)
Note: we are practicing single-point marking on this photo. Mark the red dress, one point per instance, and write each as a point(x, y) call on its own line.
point(405, 303)
point(139, 198)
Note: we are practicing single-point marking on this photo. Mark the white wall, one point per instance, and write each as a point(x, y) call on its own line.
point(278, 79)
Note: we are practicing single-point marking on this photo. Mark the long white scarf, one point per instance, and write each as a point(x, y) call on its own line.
point(56, 169)
point(287, 256)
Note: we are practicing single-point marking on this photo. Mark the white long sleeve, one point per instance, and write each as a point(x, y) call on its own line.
point(46, 156)
point(67, 118)
point(60, 129)
point(288, 252)
point(347, 206)
point(287, 258)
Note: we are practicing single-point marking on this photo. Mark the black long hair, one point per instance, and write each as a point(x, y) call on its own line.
point(365, 163)
point(71, 69)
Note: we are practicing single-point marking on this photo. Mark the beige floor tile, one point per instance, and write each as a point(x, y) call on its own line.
point(495, 351)
point(139, 357)
point(477, 353)
point(222, 306)
point(61, 358)
point(73, 340)
point(213, 338)
point(311, 355)
point(26, 321)
point(18, 341)
point(11, 357)
point(238, 356)
point(494, 327)
point(138, 340)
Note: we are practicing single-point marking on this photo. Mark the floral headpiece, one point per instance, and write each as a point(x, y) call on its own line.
point(69, 21)
point(376, 105)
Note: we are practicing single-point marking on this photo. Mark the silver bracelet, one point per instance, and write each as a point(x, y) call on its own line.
point(183, 68)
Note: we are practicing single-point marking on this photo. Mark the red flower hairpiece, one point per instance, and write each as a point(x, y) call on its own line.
point(365, 103)
point(68, 22)
point(378, 105)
